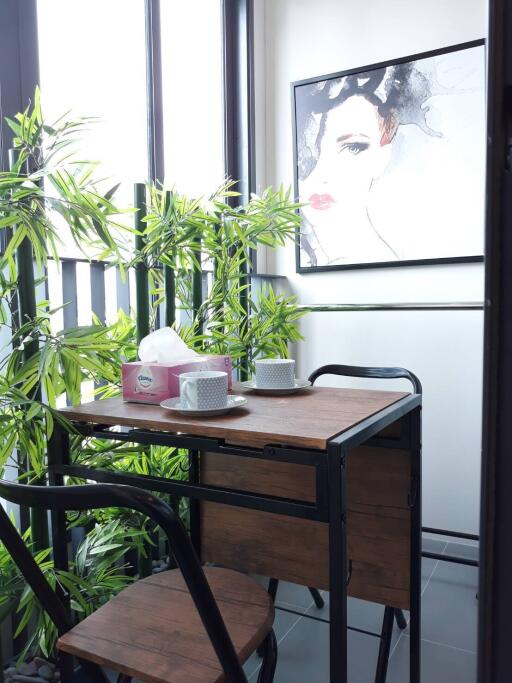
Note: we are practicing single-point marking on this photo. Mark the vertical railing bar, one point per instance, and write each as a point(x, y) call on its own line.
point(170, 296)
point(122, 292)
point(69, 295)
point(69, 299)
point(141, 270)
point(98, 300)
point(169, 282)
point(144, 566)
point(98, 291)
point(197, 284)
point(205, 284)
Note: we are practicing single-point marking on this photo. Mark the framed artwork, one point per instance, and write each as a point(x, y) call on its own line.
point(389, 162)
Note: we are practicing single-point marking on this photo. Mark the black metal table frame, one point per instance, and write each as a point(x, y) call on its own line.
point(329, 506)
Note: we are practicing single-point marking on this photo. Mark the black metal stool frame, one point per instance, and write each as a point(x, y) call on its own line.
point(97, 496)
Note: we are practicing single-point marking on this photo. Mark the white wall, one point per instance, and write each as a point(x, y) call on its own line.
point(297, 39)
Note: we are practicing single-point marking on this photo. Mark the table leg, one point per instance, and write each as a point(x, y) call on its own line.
point(195, 504)
point(337, 564)
point(58, 454)
point(415, 569)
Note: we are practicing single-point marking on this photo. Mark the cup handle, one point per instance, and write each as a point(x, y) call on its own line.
point(186, 388)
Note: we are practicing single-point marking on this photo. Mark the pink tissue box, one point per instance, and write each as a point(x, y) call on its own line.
point(154, 382)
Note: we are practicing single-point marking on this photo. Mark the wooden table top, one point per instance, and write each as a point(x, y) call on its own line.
point(308, 419)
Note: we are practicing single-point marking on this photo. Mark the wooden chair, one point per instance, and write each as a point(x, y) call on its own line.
point(390, 613)
point(183, 625)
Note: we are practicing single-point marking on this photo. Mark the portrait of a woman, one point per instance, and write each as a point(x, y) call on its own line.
point(375, 156)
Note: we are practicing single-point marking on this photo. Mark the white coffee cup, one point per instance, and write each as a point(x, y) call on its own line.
point(206, 390)
point(275, 373)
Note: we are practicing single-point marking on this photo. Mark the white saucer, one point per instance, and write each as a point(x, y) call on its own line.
point(176, 406)
point(300, 385)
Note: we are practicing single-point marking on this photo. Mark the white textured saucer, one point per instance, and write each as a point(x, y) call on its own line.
point(176, 406)
point(300, 385)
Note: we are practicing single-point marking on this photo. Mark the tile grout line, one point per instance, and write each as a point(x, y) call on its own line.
point(451, 647)
point(433, 570)
point(473, 545)
point(402, 633)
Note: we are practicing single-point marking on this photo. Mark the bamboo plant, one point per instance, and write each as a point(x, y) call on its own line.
point(188, 236)
point(178, 238)
point(42, 190)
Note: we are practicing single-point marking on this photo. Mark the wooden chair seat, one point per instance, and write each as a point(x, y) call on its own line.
point(152, 630)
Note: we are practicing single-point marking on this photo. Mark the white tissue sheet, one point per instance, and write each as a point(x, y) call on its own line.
point(164, 346)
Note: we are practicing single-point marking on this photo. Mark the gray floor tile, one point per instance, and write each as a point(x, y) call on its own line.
point(294, 595)
point(304, 655)
point(440, 664)
point(450, 607)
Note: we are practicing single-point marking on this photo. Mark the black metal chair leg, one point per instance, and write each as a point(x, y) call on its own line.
point(268, 667)
point(385, 645)
point(272, 588)
point(315, 594)
point(272, 591)
point(401, 621)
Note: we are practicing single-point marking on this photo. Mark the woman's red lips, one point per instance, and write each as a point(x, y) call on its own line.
point(321, 201)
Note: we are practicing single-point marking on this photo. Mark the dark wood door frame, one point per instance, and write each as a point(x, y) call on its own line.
point(495, 593)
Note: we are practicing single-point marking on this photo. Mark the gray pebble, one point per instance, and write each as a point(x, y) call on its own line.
point(10, 671)
point(39, 661)
point(20, 678)
point(45, 672)
point(27, 669)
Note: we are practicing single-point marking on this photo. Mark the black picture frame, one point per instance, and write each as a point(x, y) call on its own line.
point(477, 258)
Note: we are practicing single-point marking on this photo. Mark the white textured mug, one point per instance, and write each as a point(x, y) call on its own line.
point(275, 373)
point(204, 390)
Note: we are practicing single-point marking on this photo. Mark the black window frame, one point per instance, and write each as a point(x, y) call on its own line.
point(19, 75)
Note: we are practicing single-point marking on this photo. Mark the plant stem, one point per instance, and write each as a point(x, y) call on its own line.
point(141, 270)
point(197, 284)
point(143, 310)
point(170, 296)
point(244, 303)
point(145, 563)
point(170, 289)
point(28, 312)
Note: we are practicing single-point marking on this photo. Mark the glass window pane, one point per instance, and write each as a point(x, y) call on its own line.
point(93, 63)
point(192, 95)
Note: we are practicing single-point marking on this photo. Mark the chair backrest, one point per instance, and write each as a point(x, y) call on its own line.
point(99, 496)
point(375, 373)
